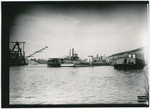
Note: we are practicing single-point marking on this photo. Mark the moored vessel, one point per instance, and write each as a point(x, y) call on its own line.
point(54, 62)
point(129, 63)
point(70, 60)
point(133, 59)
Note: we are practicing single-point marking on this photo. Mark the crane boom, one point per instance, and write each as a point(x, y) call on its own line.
point(37, 52)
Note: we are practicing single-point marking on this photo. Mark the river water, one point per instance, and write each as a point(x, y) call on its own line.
point(40, 84)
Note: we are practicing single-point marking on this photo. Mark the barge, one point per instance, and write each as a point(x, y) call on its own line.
point(132, 59)
point(54, 62)
point(129, 63)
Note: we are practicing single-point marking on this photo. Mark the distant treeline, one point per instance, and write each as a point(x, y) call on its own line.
point(40, 61)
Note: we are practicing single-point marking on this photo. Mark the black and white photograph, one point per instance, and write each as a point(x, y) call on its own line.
point(75, 53)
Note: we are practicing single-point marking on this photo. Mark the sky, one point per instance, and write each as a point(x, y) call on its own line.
point(90, 29)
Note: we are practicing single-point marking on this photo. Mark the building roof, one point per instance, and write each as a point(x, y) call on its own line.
point(121, 53)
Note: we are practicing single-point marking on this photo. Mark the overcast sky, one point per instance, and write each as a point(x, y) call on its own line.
point(90, 29)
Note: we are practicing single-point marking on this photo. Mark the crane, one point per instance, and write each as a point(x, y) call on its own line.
point(17, 54)
point(37, 52)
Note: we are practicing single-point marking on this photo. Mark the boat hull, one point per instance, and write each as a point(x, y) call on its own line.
point(127, 66)
point(100, 63)
point(53, 65)
point(67, 65)
point(82, 65)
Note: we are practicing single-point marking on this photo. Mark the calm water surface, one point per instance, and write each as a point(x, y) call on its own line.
point(40, 84)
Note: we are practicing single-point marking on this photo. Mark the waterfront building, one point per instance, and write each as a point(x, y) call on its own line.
point(132, 54)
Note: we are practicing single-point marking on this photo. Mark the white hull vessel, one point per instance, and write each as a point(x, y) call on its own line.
point(67, 65)
point(83, 64)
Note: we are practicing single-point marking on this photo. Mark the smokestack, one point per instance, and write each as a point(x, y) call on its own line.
point(72, 51)
point(97, 56)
